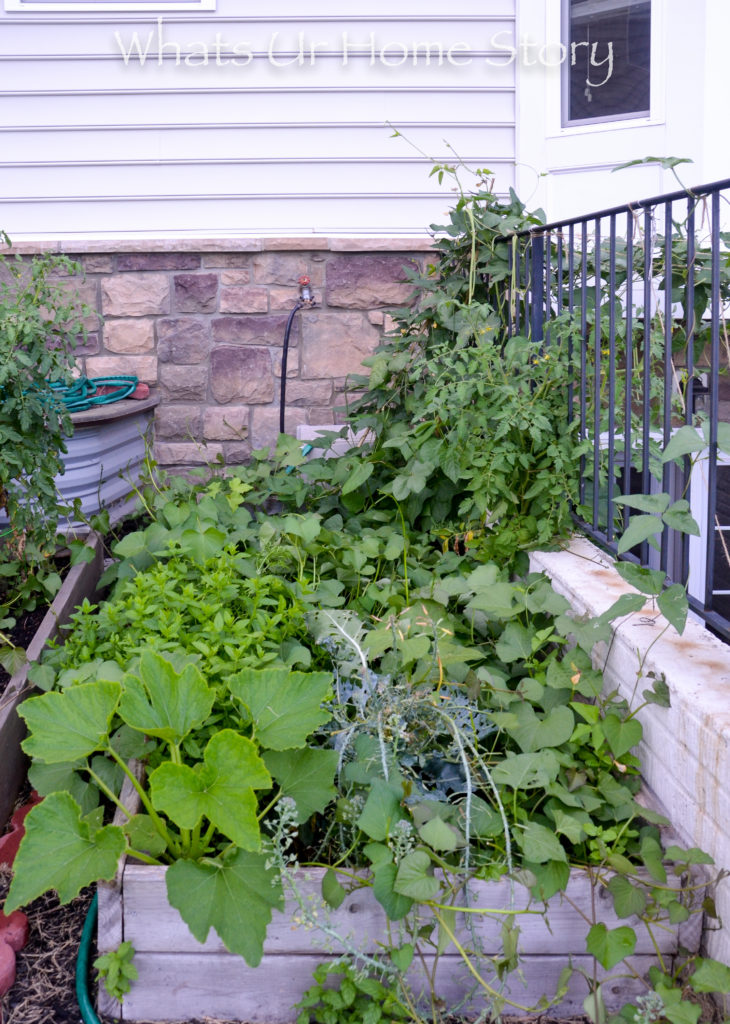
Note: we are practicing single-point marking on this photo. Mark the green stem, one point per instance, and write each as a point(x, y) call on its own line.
point(159, 824)
point(272, 803)
point(144, 857)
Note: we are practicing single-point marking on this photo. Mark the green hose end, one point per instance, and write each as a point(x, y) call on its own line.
point(88, 1014)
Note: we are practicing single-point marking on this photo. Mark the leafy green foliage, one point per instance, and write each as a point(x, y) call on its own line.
point(41, 318)
point(117, 971)
point(357, 999)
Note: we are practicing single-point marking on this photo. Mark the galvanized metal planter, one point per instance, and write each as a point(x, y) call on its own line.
point(105, 454)
point(80, 583)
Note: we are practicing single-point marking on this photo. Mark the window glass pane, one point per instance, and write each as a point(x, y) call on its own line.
point(609, 43)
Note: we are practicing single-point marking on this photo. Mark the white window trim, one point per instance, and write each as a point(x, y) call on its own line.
point(89, 6)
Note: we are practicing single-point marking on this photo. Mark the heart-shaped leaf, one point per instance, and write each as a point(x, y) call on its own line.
point(306, 775)
point(610, 947)
point(621, 736)
point(235, 898)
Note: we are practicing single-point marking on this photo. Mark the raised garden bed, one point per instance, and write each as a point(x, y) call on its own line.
point(179, 977)
point(80, 583)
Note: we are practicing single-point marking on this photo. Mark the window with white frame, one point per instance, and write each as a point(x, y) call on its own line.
point(89, 6)
point(606, 74)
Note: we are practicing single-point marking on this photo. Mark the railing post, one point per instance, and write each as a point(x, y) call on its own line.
point(537, 284)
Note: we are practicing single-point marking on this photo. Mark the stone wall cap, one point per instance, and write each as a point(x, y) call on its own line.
point(319, 243)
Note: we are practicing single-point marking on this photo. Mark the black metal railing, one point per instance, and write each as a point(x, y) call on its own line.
point(639, 292)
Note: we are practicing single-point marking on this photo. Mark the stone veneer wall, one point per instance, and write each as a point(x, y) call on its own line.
point(204, 323)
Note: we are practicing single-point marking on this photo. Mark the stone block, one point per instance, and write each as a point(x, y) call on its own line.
point(226, 260)
point(280, 268)
point(265, 423)
point(334, 344)
point(235, 277)
point(283, 298)
point(184, 383)
point(158, 261)
point(241, 375)
point(182, 453)
point(254, 330)
point(182, 340)
point(97, 264)
point(237, 299)
point(236, 452)
point(84, 293)
point(309, 392)
point(364, 281)
point(177, 422)
point(135, 295)
point(88, 346)
point(144, 367)
point(195, 293)
point(227, 424)
point(292, 362)
point(132, 336)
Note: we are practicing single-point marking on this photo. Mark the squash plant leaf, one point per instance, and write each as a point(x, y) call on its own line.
point(220, 789)
point(164, 702)
point(235, 898)
point(711, 976)
point(527, 771)
point(61, 851)
point(306, 775)
point(70, 725)
point(382, 810)
point(284, 706)
point(610, 947)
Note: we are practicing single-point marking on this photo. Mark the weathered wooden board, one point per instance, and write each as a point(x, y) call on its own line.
point(180, 978)
point(151, 924)
point(80, 582)
point(176, 986)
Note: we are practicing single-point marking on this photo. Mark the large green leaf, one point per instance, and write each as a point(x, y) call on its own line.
point(164, 702)
point(382, 810)
point(395, 905)
point(610, 947)
point(306, 775)
point(711, 976)
point(640, 528)
point(220, 789)
point(539, 844)
point(71, 725)
point(621, 736)
point(527, 771)
point(674, 606)
point(684, 441)
point(533, 733)
point(61, 851)
point(414, 877)
point(235, 898)
point(628, 899)
point(285, 706)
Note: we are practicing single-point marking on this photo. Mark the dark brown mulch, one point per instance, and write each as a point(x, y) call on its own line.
point(21, 635)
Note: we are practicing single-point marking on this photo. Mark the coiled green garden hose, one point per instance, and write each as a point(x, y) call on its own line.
point(88, 1014)
point(84, 392)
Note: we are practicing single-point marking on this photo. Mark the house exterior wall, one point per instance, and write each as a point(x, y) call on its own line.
point(227, 124)
point(203, 322)
point(569, 171)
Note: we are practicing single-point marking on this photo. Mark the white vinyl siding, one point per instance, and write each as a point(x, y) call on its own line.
point(99, 141)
